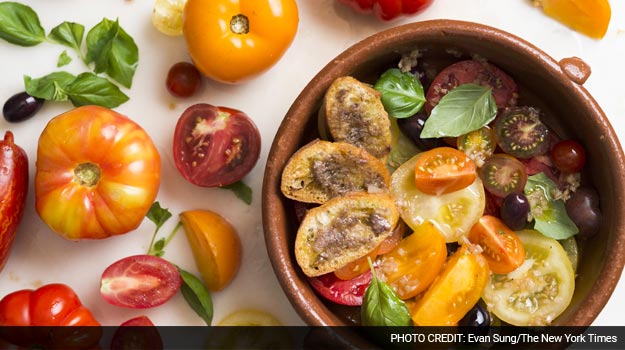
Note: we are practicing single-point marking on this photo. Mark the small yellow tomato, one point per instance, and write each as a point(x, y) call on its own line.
point(234, 40)
point(215, 245)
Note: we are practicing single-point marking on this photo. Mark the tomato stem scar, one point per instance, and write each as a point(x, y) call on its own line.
point(239, 24)
point(87, 174)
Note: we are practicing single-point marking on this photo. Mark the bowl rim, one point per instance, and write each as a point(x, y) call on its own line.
point(298, 291)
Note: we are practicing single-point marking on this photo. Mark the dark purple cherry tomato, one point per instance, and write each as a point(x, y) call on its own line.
point(583, 209)
point(482, 73)
point(514, 210)
point(503, 174)
point(21, 106)
point(215, 146)
point(568, 156)
point(183, 79)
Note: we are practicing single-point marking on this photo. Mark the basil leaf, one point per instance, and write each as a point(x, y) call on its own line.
point(402, 93)
point(550, 216)
point(197, 296)
point(51, 87)
point(113, 51)
point(69, 34)
point(158, 215)
point(381, 305)
point(465, 108)
point(19, 24)
point(402, 148)
point(241, 190)
point(64, 59)
point(89, 89)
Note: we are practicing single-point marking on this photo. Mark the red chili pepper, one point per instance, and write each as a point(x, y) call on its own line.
point(50, 305)
point(388, 9)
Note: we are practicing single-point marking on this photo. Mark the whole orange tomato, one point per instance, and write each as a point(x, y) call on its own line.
point(233, 40)
point(97, 174)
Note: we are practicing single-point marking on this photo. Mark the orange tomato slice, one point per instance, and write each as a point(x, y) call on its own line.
point(502, 248)
point(443, 170)
point(590, 17)
point(412, 266)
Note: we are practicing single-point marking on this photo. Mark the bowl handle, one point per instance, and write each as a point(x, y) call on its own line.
point(576, 69)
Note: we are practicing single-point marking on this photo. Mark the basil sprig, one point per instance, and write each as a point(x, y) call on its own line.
point(402, 93)
point(381, 305)
point(108, 48)
point(465, 108)
point(550, 216)
point(19, 24)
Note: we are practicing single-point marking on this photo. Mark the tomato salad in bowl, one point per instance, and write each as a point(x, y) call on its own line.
point(493, 186)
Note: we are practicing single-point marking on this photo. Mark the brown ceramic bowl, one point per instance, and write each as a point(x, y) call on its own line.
point(568, 109)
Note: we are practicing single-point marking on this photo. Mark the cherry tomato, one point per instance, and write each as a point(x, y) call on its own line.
point(167, 16)
point(478, 144)
point(215, 146)
point(454, 292)
point(443, 170)
point(349, 292)
point(142, 334)
point(393, 240)
point(388, 9)
point(503, 174)
point(520, 132)
point(139, 282)
point(568, 156)
point(215, 245)
point(356, 267)
point(98, 174)
point(504, 88)
point(412, 266)
point(590, 17)
point(234, 40)
point(183, 79)
point(501, 246)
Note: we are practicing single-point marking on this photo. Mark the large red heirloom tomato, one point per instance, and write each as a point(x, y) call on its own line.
point(97, 174)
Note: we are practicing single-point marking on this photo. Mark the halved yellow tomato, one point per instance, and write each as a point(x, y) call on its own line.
point(98, 174)
point(454, 293)
point(452, 213)
point(590, 17)
point(412, 266)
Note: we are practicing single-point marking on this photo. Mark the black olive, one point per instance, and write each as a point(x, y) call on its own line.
point(412, 127)
point(21, 106)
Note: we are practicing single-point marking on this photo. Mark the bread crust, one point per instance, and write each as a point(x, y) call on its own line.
point(322, 170)
point(342, 230)
point(355, 114)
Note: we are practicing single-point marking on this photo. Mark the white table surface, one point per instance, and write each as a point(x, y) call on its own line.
point(325, 29)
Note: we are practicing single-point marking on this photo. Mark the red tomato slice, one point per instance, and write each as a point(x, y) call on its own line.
point(504, 88)
point(443, 170)
point(502, 248)
point(139, 282)
point(349, 293)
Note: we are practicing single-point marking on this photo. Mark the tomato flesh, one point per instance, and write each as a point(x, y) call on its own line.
point(349, 292)
point(139, 282)
point(443, 170)
point(215, 146)
point(501, 246)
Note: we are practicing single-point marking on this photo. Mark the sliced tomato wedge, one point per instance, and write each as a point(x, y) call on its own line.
point(502, 248)
point(412, 266)
point(349, 293)
point(443, 170)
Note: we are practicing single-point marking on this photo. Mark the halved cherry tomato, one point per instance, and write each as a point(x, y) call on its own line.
point(234, 40)
point(137, 333)
point(454, 293)
point(98, 174)
point(590, 17)
point(412, 266)
point(349, 292)
point(503, 174)
point(504, 88)
point(443, 170)
point(139, 282)
point(215, 146)
point(502, 248)
point(478, 144)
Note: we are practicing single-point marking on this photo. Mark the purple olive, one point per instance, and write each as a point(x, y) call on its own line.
point(412, 127)
point(514, 210)
point(21, 106)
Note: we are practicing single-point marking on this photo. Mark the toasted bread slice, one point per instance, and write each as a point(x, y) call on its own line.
point(322, 170)
point(355, 114)
point(342, 230)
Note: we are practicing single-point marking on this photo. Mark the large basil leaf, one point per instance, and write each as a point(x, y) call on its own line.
point(465, 108)
point(89, 89)
point(113, 51)
point(19, 24)
point(197, 296)
point(550, 216)
point(69, 34)
point(51, 87)
point(402, 93)
point(382, 307)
